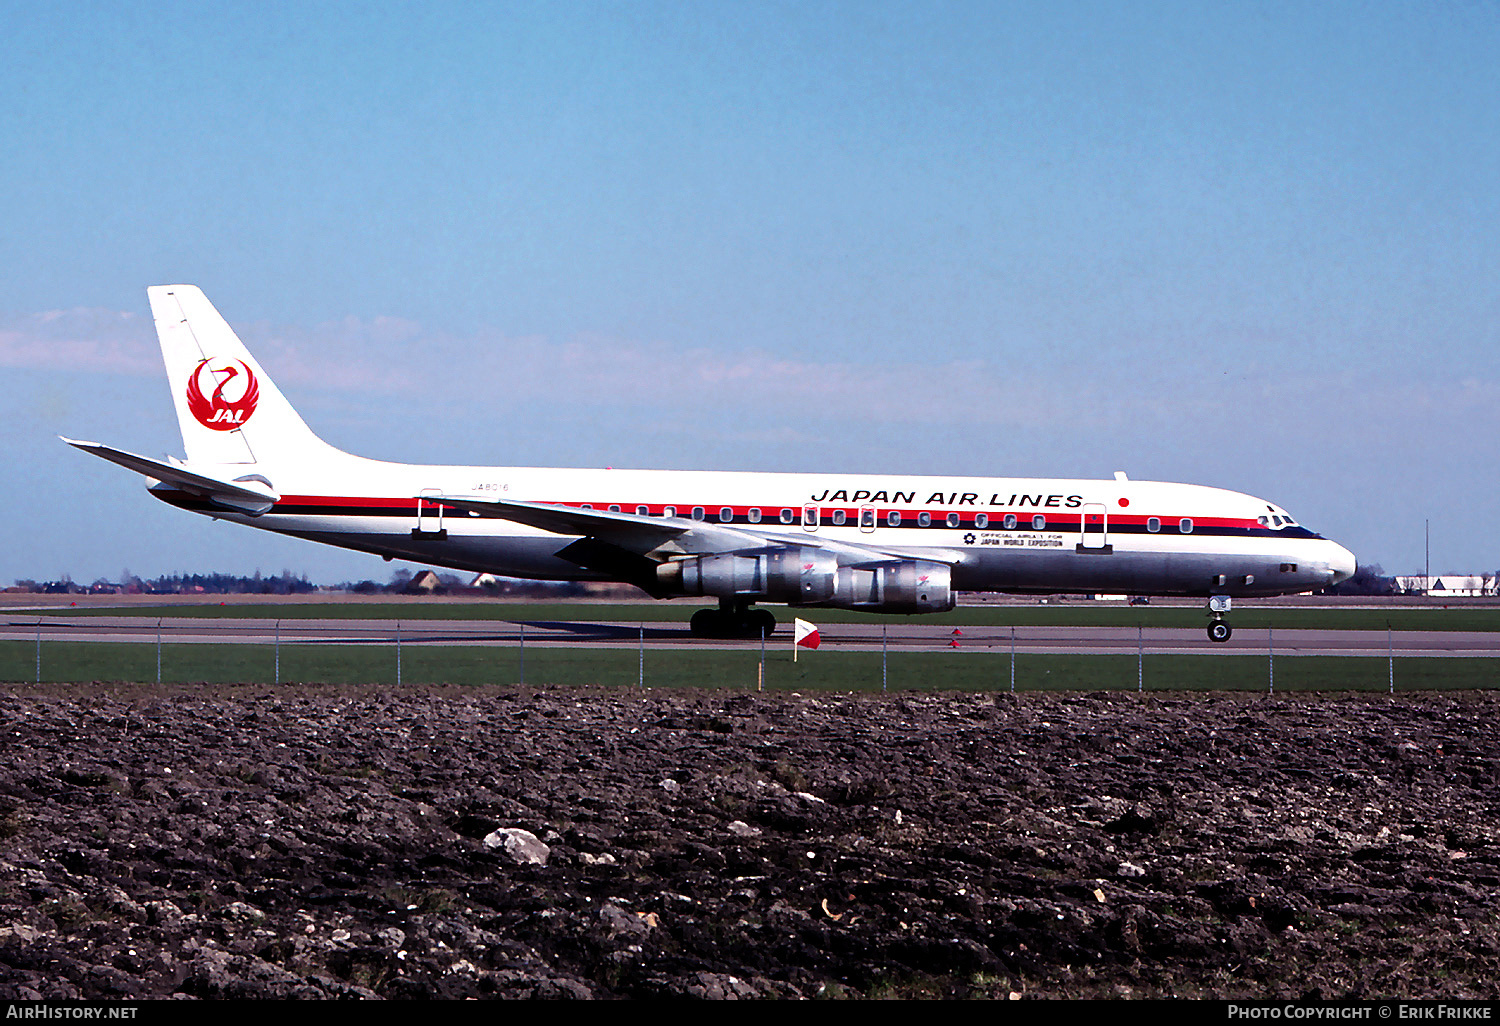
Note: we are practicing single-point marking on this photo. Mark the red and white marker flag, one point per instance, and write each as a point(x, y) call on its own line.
point(804, 635)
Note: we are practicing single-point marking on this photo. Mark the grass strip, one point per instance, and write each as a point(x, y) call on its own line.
point(729, 668)
point(1248, 617)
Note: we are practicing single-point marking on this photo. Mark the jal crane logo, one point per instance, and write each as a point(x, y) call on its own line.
point(222, 393)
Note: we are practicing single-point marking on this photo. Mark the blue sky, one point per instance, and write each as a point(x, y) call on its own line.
point(1247, 245)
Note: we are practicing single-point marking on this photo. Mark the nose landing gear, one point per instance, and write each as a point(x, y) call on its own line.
point(1218, 630)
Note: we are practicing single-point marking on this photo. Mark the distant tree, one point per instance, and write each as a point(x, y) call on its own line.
point(1367, 580)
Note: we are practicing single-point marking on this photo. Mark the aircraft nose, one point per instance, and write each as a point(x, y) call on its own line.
point(1340, 563)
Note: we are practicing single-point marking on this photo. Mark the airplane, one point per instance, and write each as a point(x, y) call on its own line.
point(882, 543)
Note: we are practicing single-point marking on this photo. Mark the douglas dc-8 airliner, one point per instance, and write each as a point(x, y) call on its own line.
point(884, 543)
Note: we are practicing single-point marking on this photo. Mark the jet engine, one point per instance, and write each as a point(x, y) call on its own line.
point(900, 586)
point(798, 575)
point(805, 576)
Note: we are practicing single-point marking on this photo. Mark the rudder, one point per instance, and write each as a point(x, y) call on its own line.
point(228, 408)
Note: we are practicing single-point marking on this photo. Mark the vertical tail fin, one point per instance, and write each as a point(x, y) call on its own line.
point(229, 409)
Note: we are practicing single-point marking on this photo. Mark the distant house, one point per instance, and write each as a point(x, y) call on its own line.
point(424, 582)
point(1450, 585)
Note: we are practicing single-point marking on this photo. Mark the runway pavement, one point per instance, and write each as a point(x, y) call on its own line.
point(909, 636)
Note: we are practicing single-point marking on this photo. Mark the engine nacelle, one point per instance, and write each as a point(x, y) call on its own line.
point(805, 576)
point(797, 575)
point(903, 586)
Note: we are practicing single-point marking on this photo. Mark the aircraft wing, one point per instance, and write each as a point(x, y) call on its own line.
point(628, 531)
point(665, 537)
point(244, 496)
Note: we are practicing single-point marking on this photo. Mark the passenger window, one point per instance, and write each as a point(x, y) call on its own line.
point(725, 514)
point(697, 512)
point(788, 516)
point(1038, 522)
point(924, 519)
point(614, 508)
point(669, 511)
point(867, 518)
point(754, 515)
point(643, 511)
point(893, 518)
point(1010, 521)
point(587, 505)
point(838, 516)
point(1153, 524)
point(809, 518)
point(1185, 525)
point(981, 521)
point(952, 519)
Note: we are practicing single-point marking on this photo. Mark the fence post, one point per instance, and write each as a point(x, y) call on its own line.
point(884, 672)
point(1013, 659)
point(39, 650)
point(522, 674)
point(1271, 660)
point(640, 677)
point(277, 673)
point(398, 653)
point(158, 650)
point(1140, 661)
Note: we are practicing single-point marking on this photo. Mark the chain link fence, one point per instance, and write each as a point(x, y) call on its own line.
point(864, 657)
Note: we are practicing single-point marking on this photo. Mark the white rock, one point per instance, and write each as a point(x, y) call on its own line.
point(521, 845)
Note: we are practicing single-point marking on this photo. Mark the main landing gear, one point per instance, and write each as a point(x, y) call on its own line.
point(732, 620)
point(1218, 630)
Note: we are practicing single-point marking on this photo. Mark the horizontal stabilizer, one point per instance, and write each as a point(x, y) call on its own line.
point(247, 496)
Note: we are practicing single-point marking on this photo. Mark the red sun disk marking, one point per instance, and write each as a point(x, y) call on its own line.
point(216, 411)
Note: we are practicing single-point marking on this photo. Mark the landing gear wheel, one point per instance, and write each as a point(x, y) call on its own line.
point(705, 623)
point(1219, 631)
point(732, 623)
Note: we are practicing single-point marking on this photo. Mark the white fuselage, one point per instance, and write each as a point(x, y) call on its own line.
point(998, 534)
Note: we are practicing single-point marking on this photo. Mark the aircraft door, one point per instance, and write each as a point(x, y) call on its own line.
point(867, 519)
point(1093, 534)
point(429, 515)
